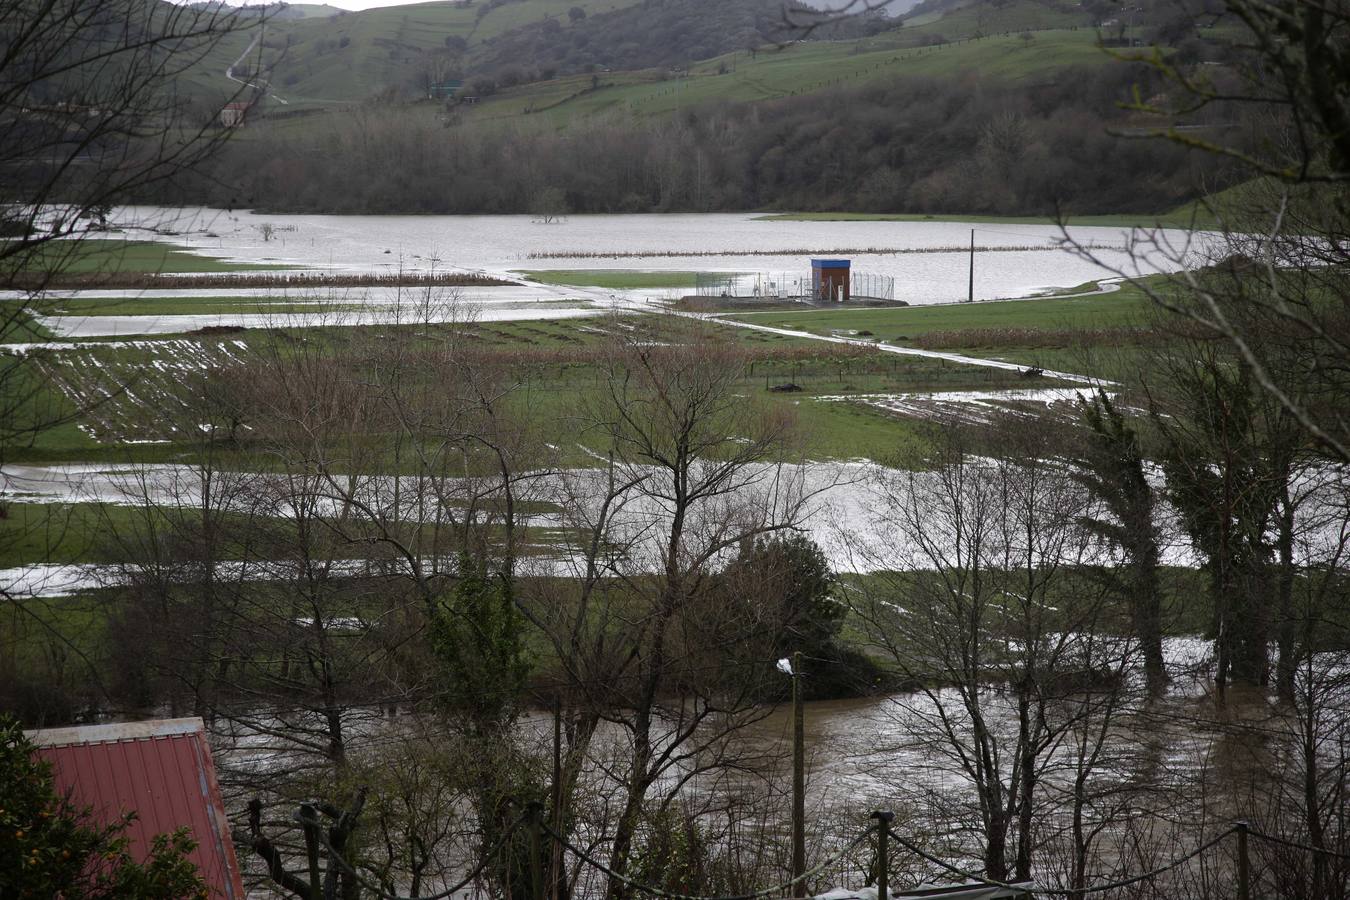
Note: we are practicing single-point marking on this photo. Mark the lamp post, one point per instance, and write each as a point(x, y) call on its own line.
point(793, 668)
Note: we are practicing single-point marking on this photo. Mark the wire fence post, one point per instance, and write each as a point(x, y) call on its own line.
point(534, 812)
point(1244, 862)
point(884, 818)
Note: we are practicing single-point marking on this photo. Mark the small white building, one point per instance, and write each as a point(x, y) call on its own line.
point(232, 115)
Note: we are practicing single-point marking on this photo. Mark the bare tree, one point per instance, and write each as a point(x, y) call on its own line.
point(656, 665)
point(93, 115)
point(983, 601)
point(1278, 236)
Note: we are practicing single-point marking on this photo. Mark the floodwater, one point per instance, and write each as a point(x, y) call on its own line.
point(928, 262)
point(848, 508)
point(842, 506)
point(716, 242)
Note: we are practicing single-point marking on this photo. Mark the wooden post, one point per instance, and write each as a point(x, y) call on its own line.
point(535, 812)
point(970, 290)
point(884, 818)
point(798, 779)
point(1244, 863)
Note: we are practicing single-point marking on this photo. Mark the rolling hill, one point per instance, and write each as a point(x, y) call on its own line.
point(993, 107)
point(525, 50)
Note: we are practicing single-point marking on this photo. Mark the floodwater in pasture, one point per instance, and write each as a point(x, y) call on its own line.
point(857, 512)
point(929, 260)
point(848, 508)
point(865, 753)
point(862, 515)
point(366, 311)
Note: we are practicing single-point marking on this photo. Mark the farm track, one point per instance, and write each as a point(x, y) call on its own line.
point(620, 303)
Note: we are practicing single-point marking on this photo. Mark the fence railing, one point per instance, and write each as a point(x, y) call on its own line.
point(541, 835)
point(788, 286)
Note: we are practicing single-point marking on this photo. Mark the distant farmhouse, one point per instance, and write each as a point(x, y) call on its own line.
point(443, 90)
point(232, 114)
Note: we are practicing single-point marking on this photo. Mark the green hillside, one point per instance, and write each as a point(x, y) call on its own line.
point(970, 107)
point(792, 70)
point(568, 52)
point(357, 55)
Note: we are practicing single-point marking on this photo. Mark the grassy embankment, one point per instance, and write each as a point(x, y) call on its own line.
point(84, 622)
point(614, 279)
point(93, 256)
point(78, 533)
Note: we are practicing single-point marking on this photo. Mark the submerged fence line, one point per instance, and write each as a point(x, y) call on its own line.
point(539, 832)
point(799, 251)
point(150, 280)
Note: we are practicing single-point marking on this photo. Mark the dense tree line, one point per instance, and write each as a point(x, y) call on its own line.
point(968, 145)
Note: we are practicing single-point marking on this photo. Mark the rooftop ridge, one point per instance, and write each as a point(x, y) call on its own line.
point(114, 731)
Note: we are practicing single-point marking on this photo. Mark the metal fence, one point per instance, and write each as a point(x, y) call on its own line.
point(873, 286)
point(786, 286)
point(768, 285)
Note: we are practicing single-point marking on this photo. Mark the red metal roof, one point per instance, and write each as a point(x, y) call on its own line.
point(162, 769)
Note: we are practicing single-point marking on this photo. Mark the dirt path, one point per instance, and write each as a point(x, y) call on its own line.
point(265, 87)
point(900, 351)
point(626, 301)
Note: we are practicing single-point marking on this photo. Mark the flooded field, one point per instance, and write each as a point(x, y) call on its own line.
point(929, 260)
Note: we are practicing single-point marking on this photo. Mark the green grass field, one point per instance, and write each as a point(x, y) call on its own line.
point(1124, 307)
point(989, 19)
point(59, 533)
point(184, 306)
point(101, 255)
point(555, 368)
point(1180, 218)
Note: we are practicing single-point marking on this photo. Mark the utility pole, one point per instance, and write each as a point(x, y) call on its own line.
point(970, 290)
point(798, 779)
